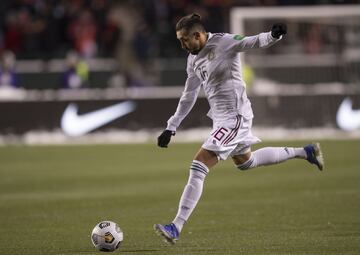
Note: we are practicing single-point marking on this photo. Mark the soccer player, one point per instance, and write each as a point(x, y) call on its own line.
point(214, 64)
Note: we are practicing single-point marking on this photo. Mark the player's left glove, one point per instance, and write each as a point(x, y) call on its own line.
point(278, 29)
point(165, 137)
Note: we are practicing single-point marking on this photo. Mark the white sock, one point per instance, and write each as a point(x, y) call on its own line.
point(272, 155)
point(191, 194)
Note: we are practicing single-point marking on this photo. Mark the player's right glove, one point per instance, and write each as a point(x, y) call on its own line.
point(165, 137)
point(278, 29)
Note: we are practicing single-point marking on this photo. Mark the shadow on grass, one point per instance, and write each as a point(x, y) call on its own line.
point(139, 251)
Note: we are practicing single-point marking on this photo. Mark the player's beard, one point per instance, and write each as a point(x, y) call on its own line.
point(194, 51)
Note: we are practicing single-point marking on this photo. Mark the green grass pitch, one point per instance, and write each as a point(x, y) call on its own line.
point(52, 196)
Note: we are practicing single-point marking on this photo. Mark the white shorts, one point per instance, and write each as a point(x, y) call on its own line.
point(232, 137)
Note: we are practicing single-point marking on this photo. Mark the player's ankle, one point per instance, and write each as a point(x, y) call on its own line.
point(179, 223)
point(300, 153)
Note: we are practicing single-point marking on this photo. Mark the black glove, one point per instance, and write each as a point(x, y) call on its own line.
point(164, 138)
point(278, 29)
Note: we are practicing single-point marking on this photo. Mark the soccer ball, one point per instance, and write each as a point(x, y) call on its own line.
point(107, 236)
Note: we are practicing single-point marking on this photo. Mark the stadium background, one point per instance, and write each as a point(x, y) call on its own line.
point(136, 42)
point(96, 53)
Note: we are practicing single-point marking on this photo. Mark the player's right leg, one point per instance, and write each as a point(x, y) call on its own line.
point(275, 155)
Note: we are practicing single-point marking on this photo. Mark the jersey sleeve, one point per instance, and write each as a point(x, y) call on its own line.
point(238, 43)
point(187, 99)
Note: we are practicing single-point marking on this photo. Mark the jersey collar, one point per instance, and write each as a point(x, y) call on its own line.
point(210, 35)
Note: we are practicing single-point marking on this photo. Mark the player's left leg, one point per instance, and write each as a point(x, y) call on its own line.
point(199, 169)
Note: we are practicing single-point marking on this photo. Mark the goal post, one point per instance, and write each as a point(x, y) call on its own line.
point(239, 14)
point(322, 45)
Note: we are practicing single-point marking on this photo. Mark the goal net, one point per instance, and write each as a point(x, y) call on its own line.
point(322, 48)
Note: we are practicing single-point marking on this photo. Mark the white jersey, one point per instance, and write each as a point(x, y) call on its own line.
point(217, 68)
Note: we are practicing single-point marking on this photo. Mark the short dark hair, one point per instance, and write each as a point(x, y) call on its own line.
point(189, 22)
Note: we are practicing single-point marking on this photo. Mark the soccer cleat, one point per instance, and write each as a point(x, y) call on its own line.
point(168, 232)
point(314, 155)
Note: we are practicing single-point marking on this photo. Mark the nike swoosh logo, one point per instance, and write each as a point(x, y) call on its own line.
point(76, 125)
point(347, 118)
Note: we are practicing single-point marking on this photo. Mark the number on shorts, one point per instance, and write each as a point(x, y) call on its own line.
point(220, 133)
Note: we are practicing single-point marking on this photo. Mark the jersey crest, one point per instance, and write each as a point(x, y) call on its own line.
point(211, 55)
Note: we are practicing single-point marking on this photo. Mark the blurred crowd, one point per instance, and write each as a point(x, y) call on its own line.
point(132, 31)
point(48, 29)
point(96, 28)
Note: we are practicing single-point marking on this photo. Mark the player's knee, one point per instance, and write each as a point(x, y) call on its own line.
point(209, 158)
point(241, 159)
point(248, 164)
